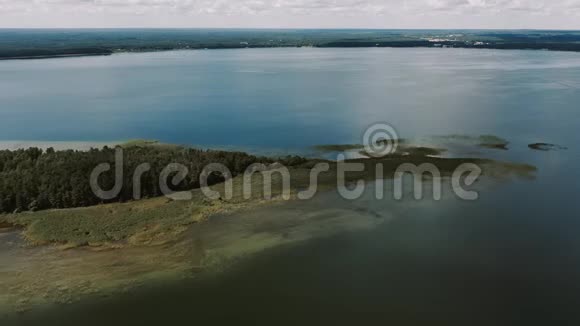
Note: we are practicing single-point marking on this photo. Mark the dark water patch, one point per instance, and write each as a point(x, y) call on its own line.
point(337, 147)
point(545, 147)
point(503, 147)
point(423, 151)
point(441, 271)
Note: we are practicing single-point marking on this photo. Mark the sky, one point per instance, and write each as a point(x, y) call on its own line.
point(477, 14)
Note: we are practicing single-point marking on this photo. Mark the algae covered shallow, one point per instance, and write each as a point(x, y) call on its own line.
point(280, 248)
point(160, 219)
point(118, 247)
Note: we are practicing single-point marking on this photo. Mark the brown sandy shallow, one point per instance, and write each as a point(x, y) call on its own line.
point(48, 262)
point(36, 277)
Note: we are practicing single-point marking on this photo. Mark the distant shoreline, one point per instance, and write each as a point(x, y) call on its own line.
point(13, 145)
point(554, 47)
point(55, 56)
point(45, 44)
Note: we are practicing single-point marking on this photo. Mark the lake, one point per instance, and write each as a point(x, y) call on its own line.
point(290, 99)
point(510, 258)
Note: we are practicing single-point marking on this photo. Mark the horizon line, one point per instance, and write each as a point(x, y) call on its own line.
point(293, 28)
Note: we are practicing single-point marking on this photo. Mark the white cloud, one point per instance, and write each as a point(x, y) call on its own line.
point(261, 12)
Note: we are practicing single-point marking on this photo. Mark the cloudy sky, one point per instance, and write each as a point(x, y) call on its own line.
point(545, 14)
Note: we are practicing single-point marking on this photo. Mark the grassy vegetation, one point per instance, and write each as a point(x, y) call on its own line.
point(164, 240)
point(407, 146)
point(160, 220)
point(412, 151)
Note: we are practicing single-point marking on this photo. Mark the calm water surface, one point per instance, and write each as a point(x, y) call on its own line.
point(511, 258)
point(290, 98)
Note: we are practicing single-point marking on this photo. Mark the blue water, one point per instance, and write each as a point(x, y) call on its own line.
point(291, 98)
point(510, 258)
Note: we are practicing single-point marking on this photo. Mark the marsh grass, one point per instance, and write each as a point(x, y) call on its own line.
point(161, 220)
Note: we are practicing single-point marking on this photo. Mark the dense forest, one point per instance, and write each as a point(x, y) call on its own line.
point(35, 43)
point(33, 179)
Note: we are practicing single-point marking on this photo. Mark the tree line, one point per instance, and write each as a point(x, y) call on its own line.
point(35, 179)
